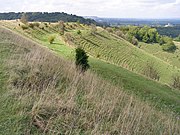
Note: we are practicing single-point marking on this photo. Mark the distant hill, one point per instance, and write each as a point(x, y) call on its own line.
point(47, 17)
point(134, 21)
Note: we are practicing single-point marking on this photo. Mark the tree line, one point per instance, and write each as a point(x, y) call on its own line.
point(47, 17)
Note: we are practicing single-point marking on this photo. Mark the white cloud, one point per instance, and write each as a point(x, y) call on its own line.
point(105, 8)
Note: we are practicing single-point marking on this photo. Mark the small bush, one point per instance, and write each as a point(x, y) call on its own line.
point(98, 55)
point(110, 30)
point(31, 25)
point(68, 37)
point(36, 24)
point(46, 25)
point(24, 27)
point(169, 47)
point(120, 34)
point(81, 59)
point(176, 81)
point(151, 72)
point(79, 32)
point(134, 41)
point(51, 39)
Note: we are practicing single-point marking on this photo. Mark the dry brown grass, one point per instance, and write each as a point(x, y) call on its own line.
point(60, 100)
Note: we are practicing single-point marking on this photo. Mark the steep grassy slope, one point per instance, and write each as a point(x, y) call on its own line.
point(162, 96)
point(46, 95)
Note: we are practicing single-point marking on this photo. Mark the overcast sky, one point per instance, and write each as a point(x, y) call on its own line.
point(101, 8)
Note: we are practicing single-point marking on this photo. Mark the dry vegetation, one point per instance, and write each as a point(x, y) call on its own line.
point(60, 100)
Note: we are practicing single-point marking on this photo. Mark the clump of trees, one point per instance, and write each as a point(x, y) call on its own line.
point(146, 34)
point(81, 59)
point(51, 39)
point(151, 72)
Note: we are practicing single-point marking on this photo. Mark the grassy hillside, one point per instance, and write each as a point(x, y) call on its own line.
point(158, 94)
point(120, 52)
point(44, 94)
point(102, 45)
point(156, 50)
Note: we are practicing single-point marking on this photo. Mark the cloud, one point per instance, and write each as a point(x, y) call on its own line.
point(104, 8)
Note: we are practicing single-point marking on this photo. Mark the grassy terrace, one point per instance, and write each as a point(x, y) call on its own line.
point(158, 94)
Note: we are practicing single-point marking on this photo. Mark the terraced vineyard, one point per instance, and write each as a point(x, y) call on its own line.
point(120, 52)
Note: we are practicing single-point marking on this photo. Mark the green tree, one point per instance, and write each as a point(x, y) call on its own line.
point(81, 59)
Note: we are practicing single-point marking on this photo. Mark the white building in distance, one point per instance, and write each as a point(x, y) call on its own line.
point(168, 25)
